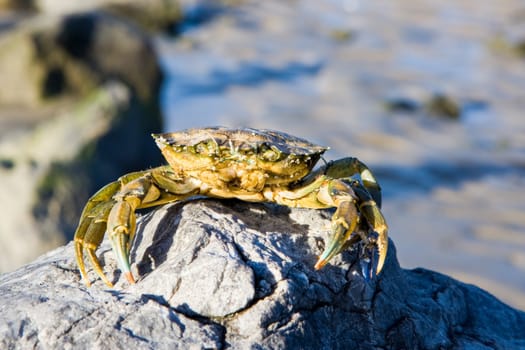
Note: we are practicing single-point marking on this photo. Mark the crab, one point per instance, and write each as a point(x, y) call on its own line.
point(248, 164)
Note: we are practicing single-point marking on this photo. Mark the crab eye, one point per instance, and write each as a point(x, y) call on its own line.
point(268, 153)
point(200, 148)
point(206, 148)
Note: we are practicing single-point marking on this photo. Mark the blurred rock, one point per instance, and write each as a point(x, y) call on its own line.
point(17, 5)
point(157, 15)
point(231, 274)
point(342, 35)
point(444, 106)
point(402, 104)
point(47, 57)
point(50, 168)
point(149, 14)
point(411, 100)
point(81, 102)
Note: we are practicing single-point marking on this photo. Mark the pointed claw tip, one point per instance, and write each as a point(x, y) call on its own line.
point(320, 264)
point(129, 277)
point(107, 282)
point(110, 285)
point(379, 266)
point(383, 248)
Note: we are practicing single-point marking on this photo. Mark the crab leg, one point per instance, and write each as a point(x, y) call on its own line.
point(370, 210)
point(92, 226)
point(349, 186)
point(112, 209)
point(325, 192)
point(351, 167)
point(345, 220)
point(365, 186)
point(338, 194)
point(122, 220)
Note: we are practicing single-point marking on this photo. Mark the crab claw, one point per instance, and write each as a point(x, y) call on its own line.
point(121, 227)
point(371, 258)
point(375, 240)
point(119, 239)
point(334, 247)
point(344, 222)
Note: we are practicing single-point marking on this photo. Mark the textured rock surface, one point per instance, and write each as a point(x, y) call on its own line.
point(236, 275)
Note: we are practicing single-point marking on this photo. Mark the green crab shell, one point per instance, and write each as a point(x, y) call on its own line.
point(283, 158)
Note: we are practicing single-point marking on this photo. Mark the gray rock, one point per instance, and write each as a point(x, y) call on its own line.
point(227, 274)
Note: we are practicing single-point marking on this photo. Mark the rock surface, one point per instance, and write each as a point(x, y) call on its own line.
point(227, 274)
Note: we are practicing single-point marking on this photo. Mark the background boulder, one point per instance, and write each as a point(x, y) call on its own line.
point(49, 171)
point(44, 58)
point(149, 14)
point(81, 104)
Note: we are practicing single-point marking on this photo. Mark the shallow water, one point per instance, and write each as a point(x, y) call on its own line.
point(359, 77)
